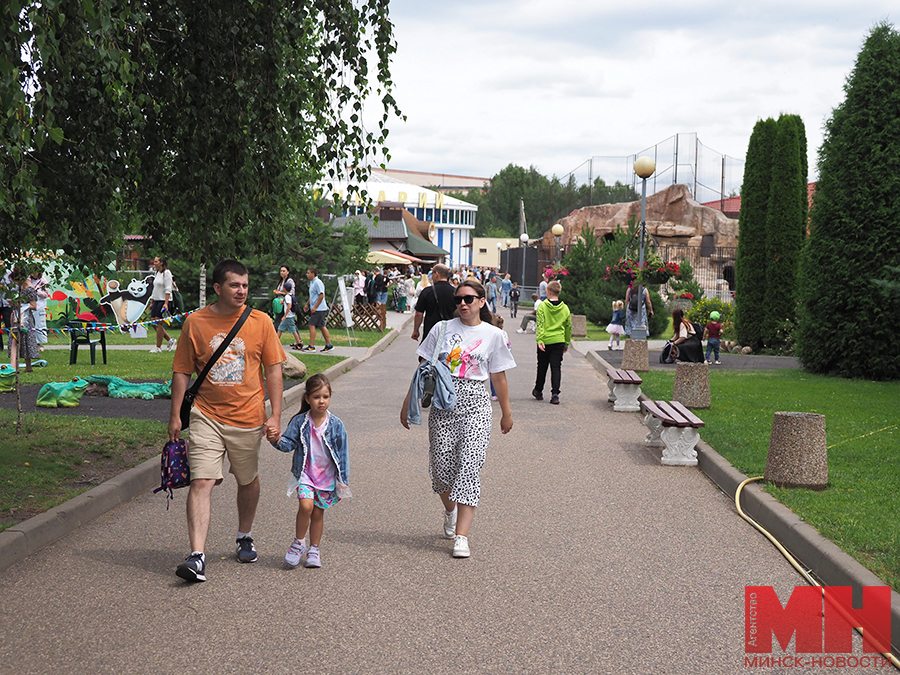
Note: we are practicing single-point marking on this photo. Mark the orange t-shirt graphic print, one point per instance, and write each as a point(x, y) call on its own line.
point(229, 369)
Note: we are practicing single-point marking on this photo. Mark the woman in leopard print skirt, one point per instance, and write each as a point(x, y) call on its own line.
point(474, 350)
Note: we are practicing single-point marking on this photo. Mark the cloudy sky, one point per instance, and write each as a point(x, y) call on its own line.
point(552, 83)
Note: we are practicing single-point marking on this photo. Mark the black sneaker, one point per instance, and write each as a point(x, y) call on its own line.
point(246, 553)
point(539, 395)
point(554, 399)
point(193, 568)
point(327, 348)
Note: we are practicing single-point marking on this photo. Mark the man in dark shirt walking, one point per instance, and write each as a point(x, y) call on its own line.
point(435, 303)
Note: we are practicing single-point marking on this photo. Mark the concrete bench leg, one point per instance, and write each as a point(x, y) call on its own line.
point(627, 396)
point(654, 429)
point(612, 390)
point(680, 444)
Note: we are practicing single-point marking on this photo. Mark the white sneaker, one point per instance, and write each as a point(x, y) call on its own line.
point(460, 546)
point(519, 330)
point(718, 363)
point(171, 344)
point(156, 350)
point(450, 524)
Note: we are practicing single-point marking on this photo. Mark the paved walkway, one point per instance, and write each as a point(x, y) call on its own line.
point(588, 557)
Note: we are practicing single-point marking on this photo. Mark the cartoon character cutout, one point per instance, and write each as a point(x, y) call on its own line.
point(229, 369)
point(462, 361)
point(128, 305)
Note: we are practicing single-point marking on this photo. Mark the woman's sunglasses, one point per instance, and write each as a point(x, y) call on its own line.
point(468, 299)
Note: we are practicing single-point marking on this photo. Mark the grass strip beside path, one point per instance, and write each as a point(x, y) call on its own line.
point(57, 458)
point(860, 509)
point(597, 334)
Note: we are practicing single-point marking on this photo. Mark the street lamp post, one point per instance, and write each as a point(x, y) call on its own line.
point(524, 239)
point(499, 255)
point(644, 168)
point(557, 231)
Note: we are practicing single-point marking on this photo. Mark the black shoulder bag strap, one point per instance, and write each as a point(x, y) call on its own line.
point(191, 393)
point(439, 304)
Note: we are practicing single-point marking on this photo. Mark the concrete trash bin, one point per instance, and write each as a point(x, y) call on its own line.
point(692, 385)
point(635, 356)
point(579, 325)
point(798, 454)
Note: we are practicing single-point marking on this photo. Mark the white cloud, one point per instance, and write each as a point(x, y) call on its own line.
point(551, 84)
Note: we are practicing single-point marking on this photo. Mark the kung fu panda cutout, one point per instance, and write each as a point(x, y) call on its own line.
point(129, 304)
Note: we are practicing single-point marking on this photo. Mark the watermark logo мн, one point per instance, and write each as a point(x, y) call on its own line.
point(821, 618)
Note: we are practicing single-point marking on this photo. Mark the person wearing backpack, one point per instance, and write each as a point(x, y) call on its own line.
point(631, 315)
point(686, 338)
point(229, 415)
point(289, 322)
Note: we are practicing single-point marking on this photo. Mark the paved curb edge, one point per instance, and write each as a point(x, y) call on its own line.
point(30, 536)
point(820, 556)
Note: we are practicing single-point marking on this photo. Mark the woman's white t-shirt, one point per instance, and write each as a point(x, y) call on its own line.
point(471, 352)
point(162, 285)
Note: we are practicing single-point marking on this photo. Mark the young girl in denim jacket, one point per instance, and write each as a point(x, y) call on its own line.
point(320, 467)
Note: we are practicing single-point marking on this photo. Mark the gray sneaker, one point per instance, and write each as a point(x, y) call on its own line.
point(313, 559)
point(295, 552)
point(246, 553)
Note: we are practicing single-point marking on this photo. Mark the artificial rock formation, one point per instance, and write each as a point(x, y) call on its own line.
point(673, 217)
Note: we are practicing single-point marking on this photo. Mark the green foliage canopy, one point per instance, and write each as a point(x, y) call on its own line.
point(205, 123)
point(546, 200)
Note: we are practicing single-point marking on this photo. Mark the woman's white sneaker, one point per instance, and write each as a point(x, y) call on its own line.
point(450, 524)
point(460, 546)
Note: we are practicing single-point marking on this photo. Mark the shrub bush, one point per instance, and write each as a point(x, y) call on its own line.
point(661, 316)
point(701, 310)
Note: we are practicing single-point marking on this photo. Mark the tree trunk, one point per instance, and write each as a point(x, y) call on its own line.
point(202, 285)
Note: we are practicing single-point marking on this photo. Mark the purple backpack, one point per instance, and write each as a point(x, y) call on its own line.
point(174, 470)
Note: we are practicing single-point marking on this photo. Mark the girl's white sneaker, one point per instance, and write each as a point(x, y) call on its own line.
point(295, 552)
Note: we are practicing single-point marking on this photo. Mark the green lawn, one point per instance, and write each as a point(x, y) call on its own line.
point(58, 457)
point(364, 338)
point(595, 333)
point(134, 365)
point(860, 509)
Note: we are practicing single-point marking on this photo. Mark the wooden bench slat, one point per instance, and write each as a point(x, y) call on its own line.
point(677, 419)
point(635, 378)
point(652, 408)
point(687, 414)
point(619, 376)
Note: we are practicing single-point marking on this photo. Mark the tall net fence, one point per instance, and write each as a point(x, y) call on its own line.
point(710, 175)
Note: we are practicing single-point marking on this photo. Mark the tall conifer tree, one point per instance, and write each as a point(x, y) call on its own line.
point(847, 326)
point(750, 266)
point(785, 230)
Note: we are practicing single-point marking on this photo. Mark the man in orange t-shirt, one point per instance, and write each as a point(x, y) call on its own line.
point(228, 417)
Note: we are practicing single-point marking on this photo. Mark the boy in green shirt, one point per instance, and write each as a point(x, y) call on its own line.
point(554, 332)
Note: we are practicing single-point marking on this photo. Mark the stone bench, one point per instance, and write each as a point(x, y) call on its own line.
point(624, 389)
point(673, 428)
